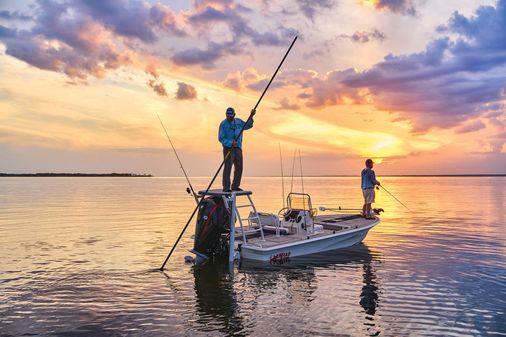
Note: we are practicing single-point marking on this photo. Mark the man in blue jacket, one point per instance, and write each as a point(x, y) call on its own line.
point(229, 130)
point(368, 183)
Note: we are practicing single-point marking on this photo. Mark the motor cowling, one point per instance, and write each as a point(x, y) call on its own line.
point(213, 221)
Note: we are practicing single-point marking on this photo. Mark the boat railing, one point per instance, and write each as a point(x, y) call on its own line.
point(230, 201)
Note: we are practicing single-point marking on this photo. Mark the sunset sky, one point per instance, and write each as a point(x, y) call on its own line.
point(418, 85)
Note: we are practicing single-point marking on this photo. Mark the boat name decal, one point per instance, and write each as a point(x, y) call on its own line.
point(280, 258)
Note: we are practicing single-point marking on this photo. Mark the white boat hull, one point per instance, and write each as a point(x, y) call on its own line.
point(305, 246)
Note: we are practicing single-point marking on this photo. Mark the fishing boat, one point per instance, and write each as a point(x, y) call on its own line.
point(297, 230)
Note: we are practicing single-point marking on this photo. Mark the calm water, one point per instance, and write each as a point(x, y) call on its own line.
point(78, 257)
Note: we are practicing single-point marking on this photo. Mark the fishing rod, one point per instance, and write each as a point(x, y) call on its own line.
point(393, 196)
point(190, 189)
point(282, 176)
point(293, 169)
point(302, 181)
point(253, 111)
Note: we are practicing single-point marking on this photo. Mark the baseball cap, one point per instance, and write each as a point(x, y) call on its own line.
point(230, 111)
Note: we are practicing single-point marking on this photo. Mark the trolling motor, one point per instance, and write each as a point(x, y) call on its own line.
point(212, 228)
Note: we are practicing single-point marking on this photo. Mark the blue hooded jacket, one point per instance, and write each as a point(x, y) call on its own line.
point(229, 130)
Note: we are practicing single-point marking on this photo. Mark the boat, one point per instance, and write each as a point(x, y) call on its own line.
point(297, 230)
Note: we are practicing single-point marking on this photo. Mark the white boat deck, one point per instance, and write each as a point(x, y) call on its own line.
point(332, 224)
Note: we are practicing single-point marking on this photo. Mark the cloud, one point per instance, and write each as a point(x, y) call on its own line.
point(16, 15)
point(38, 52)
point(238, 80)
point(159, 88)
point(206, 57)
point(132, 18)
point(66, 39)
point(470, 127)
point(310, 7)
point(295, 77)
point(317, 91)
point(185, 91)
point(6, 32)
point(87, 38)
point(285, 104)
point(406, 7)
point(442, 86)
point(208, 15)
point(364, 36)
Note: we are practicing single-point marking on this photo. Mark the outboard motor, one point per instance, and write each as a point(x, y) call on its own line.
point(213, 221)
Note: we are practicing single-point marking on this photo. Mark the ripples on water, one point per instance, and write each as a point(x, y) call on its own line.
point(78, 257)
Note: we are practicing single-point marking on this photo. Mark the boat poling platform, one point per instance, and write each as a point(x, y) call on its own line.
point(230, 202)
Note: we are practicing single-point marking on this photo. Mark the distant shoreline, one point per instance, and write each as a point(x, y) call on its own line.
point(74, 175)
point(413, 175)
point(358, 176)
point(307, 176)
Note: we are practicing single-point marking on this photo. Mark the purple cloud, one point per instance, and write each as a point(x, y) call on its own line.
point(239, 80)
point(17, 15)
point(86, 38)
point(285, 104)
point(69, 37)
point(470, 127)
point(185, 91)
point(159, 88)
point(396, 6)
point(206, 57)
point(443, 86)
point(209, 13)
point(364, 36)
point(6, 32)
point(310, 7)
point(131, 18)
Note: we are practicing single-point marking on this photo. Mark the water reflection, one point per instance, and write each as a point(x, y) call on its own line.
point(369, 296)
point(216, 300)
point(302, 273)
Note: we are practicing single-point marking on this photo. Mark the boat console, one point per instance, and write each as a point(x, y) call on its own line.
point(298, 217)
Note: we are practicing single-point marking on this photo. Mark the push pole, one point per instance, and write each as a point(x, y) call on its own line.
point(226, 156)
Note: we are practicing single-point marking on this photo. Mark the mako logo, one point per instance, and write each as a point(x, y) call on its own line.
point(280, 258)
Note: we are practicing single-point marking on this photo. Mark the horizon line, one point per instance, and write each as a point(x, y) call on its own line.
point(133, 175)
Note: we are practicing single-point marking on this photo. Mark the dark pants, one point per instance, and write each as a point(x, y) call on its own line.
point(235, 158)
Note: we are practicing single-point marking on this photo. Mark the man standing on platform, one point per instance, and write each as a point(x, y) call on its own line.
point(230, 128)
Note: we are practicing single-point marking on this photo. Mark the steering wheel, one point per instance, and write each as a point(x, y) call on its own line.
point(285, 212)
